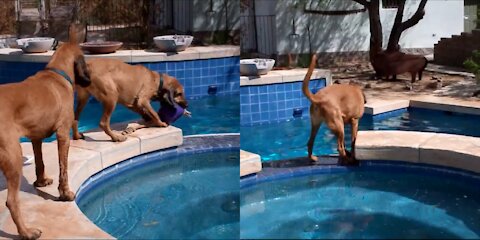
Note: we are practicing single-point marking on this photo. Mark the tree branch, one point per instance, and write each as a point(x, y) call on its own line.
point(416, 17)
point(363, 2)
point(334, 12)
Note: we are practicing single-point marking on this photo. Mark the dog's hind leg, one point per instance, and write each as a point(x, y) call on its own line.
point(82, 100)
point(337, 128)
point(11, 166)
point(108, 108)
point(42, 179)
point(316, 122)
point(354, 123)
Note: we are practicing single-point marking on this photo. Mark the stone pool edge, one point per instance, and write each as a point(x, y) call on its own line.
point(86, 158)
point(398, 144)
point(132, 56)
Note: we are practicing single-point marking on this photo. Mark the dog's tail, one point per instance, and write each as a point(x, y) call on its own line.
point(306, 80)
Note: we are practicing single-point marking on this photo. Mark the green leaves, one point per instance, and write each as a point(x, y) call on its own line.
point(473, 64)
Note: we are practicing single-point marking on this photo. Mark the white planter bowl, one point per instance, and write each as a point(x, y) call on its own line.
point(173, 43)
point(35, 45)
point(256, 66)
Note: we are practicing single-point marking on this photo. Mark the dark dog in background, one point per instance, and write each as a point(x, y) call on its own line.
point(134, 86)
point(36, 108)
point(391, 64)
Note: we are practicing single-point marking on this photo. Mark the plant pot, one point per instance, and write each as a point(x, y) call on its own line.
point(173, 43)
point(35, 45)
point(256, 66)
point(100, 47)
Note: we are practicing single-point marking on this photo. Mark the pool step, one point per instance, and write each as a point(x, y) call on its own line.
point(250, 163)
point(447, 150)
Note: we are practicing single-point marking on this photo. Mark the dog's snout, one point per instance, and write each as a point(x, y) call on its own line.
point(183, 104)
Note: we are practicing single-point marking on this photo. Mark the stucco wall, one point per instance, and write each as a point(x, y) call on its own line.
point(206, 20)
point(351, 32)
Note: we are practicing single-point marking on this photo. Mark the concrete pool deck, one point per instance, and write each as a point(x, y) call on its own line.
point(285, 76)
point(64, 220)
point(131, 56)
point(457, 151)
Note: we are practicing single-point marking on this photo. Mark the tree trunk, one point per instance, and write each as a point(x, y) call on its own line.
point(376, 35)
point(399, 26)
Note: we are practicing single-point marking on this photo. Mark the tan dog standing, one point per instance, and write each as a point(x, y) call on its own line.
point(335, 105)
point(133, 86)
point(36, 108)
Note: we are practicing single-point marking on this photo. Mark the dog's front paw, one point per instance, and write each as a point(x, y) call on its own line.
point(31, 233)
point(128, 130)
point(43, 182)
point(314, 158)
point(119, 137)
point(66, 196)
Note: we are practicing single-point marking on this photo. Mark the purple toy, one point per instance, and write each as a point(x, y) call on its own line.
point(170, 114)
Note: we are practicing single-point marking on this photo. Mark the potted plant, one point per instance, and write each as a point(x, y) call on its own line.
point(473, 65)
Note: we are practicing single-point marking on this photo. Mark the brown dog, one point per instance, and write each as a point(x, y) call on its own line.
point(335, 105)
point(36, 108)
point(392, 64)
point(133, 86)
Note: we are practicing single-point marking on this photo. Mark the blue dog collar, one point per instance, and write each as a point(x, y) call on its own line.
point(61, 73)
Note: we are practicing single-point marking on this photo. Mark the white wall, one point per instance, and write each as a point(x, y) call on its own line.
point(206, 20)
point(351, 32)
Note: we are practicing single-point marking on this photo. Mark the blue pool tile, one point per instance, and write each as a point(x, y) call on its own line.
point(254, 99)
point(256, 117)
point(197, 64)
point(262, 90)
point(245, 108)
point(255, 108)
point(263, 98)
point(264, 107)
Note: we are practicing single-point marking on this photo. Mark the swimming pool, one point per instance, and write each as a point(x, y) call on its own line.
point(285, 140)
point(189, 192)
point(210, 114)
point(376, 200)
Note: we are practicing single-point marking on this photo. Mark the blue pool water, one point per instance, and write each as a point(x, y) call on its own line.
point(191, 196)
point(284, 140)
point(210, 114)
point(362, 203)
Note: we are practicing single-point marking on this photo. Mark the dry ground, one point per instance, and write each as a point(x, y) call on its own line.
point(432, 83)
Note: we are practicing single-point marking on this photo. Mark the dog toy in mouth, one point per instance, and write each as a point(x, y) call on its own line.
point(170, 114)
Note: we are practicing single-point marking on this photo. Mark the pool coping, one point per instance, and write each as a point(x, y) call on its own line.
point(274, 174)
point(285, 76)
point(395, 145)
point(131, 56)
point(86, 158)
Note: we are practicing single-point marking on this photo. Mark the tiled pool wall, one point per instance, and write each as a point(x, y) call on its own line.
point(275, 102)
point(195, 75)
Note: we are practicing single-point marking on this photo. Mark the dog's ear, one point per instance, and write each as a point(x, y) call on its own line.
point(82, 75)
point(168, 97)
point(72, 34)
